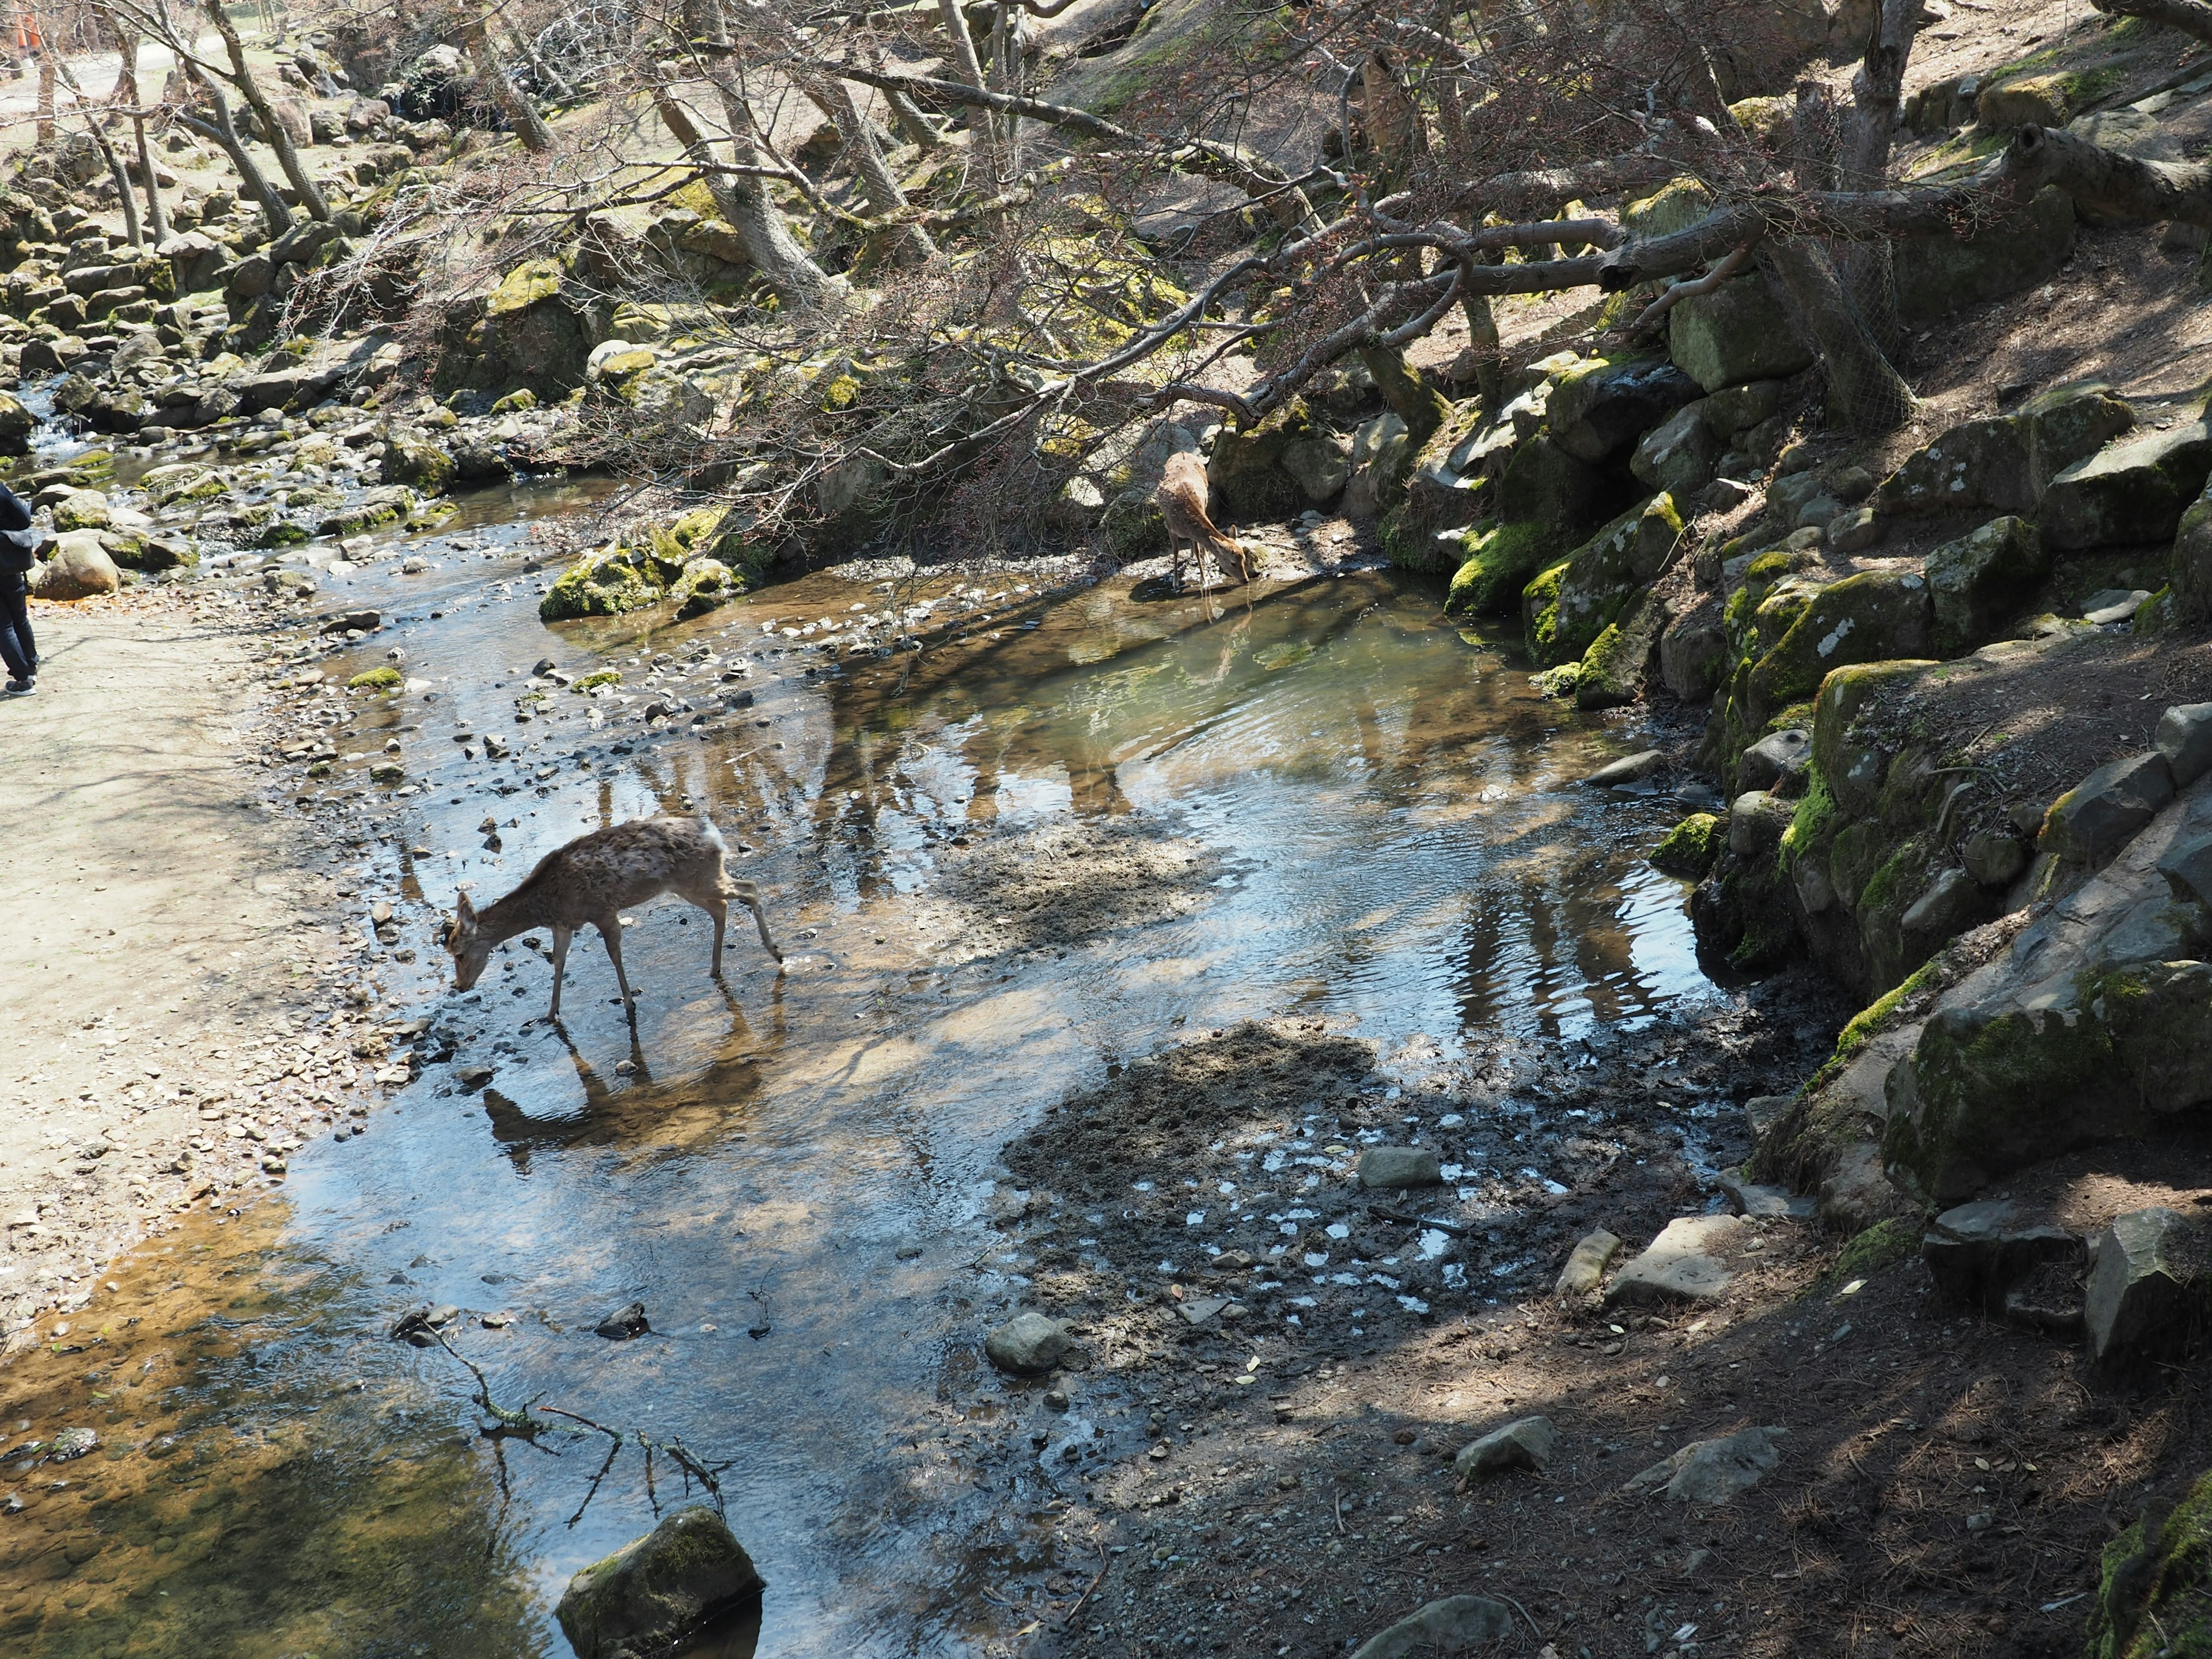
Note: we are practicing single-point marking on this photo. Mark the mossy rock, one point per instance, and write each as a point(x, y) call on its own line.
point(375, 679)
point(1245, 476)
point(704, 584)
point(1614, 666)
point(605, 582)
point(1603, 578)
point(1981, 580)
point(1690, 848)
point(1497, 561)
point(525, 286)
point(1882, 1245)
point(651, 1597)
point(1877, 615)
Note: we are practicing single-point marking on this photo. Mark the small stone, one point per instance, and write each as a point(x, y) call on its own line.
point(1641, 768)
point(1711, 1473)
point(1771, 1202)
point(1586, 1264)
point(496, 1322)
point(1775, 758)
point(1028, 1345)
point(1199, 1308)
point(1683, 1263)
point(653, 1596)
point(1399, 1166)
point(472, 1078)
point(623, 1324)
point(1526, 1444)
point(2114, 604)
point(1993, 859)
point(71, 1444)
point(1855, 530)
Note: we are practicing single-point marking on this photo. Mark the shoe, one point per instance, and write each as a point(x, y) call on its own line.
point(20, 688)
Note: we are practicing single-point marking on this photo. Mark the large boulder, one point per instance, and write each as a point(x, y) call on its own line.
point(1738, 332)
point(2140, 1299)
point(605, 582)
point(1495, 561)
point(16, 425)
point(1938, 275)
point(1982, 580)
point(2005, 463)
point(1544, 484)
point(2192, 560)
point(1599, 411)
point(1382, 454)
point(533, 331)
point(2105, 809)
point(651, 1597)
point(1680, 454)
point(1566, 608)
point(1620, 660)
point(2135, 490)
point(1245, 476)
point(78, 568)
point(415, 461)
point(1877, 616)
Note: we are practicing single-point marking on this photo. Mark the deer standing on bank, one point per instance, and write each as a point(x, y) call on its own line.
point(593, 880)
point(1182, 499)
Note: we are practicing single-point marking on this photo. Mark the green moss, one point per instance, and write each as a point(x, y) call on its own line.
point(375, 679)
point(1540, 609)
point(525, 286)
point(1881, 887)
point(1691, 846)
point(1813, 810)
point(1882, 1245)
point(1499, 561)
point(2153, 1596)
point(591, 682)
point(1871, 1021)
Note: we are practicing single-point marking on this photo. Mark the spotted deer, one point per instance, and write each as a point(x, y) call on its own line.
point(1181, 497)
point(592, 880)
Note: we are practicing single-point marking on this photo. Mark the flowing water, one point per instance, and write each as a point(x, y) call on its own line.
point(1380, 826)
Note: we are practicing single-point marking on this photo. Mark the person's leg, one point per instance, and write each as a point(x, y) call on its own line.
point(17, 649)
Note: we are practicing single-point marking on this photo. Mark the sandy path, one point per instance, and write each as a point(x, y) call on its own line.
point(152, 913)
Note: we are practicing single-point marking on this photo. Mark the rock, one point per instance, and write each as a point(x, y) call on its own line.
point(16, 424)
point(2187, 867)
point(624, 1324)
point(1953, 902)
point(414, 461)
point(1198, 1309)
point(1245, 476)
point(1938, 275)
point(1618, 661)
point(1597, 411)
point(1877, 616)
point(1381, 453)
point(2043, 100)
point(2135, 490)
point(1319, 466)
point(1711, 1473)
point(71, 1444)
point(1585, 1269)
point(2113, 605)
point(2005, 463)
point(78, 568)
point(1771, 1202)
point(1756, 823)
point(1737, 333)
point(1977, 1252)
point(1982, 580)
point(651, 1597)
point(1527, 1444)
point(1683, 1263)
point(1399, 1166)
point(2192, 559)
point(1495, 561)
point(605, 582)
point(2107, 808)
point(1457, 1624)
point(1680, 454)
point(81, 509)
point(2139, 1301)
point(1693, 654)
point(1028, 1345)
point(1855, 530)
point(1643, 767)
point(1692, 847)
point(387, 772)
point(1565, 609)
point(1992, 859)
point(1776, 757)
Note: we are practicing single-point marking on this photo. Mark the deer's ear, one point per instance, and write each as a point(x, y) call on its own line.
point(464, 912)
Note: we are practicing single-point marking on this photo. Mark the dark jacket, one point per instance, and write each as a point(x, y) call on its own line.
point(18, 541)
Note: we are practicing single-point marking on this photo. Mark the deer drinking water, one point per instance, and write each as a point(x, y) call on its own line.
point(1182, 498)
point(592, 880)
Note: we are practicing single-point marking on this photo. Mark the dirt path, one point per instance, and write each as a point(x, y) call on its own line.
point(156, 936)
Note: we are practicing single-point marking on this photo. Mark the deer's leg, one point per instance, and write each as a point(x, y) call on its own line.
point(747, 895)
point(718, 908)
point(561, 938)
point(611, 930)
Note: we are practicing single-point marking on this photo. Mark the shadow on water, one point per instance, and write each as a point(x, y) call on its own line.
point(1343, 807)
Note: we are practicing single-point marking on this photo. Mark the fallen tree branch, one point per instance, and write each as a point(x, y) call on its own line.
point(1649, 318)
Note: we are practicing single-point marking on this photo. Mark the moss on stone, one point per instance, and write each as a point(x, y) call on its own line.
point(2154, 1597)
point(1499, 561)
point(525, 286)
point(605, 582)
point(375, 679)
point(1691, 846)
point(1813, 810)
point(591, 682)
point(1882, 1245)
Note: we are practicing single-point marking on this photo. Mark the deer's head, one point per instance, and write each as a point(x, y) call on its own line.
point(470, 949)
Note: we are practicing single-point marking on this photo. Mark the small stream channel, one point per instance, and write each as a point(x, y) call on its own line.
point(794, 1174)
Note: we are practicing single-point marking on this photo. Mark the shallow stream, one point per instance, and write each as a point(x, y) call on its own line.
point(1315, 797)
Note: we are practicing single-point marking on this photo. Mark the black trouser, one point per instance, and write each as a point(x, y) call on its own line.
point(17, 648)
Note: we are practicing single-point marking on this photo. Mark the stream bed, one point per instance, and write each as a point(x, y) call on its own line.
point(1075, 830)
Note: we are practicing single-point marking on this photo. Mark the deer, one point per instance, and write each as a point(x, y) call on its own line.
point(592, 880)
point(1182, 499)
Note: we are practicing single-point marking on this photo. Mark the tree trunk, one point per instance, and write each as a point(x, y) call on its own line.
point(530, 55)
point(744, 202)
point(242, 74)
point(46, 80)
point(513, 103)
point(912, 243)
point(1866, 394)
point(1413, 400)
point(912, 122)
point(126, 52)
point(157, 221)
point(981, 126)
point(133, 232)
point(224, 132)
